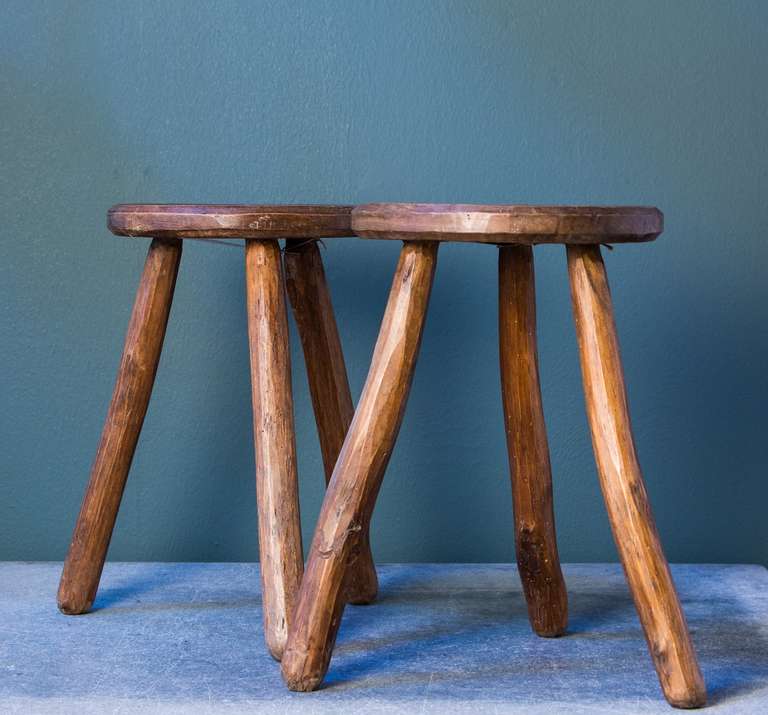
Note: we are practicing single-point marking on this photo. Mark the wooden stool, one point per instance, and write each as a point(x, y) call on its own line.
point(349, 500)
point(276, 479)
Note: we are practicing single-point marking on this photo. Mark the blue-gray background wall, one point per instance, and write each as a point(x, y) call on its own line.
point(551, 102)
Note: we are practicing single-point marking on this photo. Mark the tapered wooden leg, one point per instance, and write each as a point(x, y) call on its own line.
point(328, 385)
point(359, 470)
point(536, 544)
point(130, 398)
point(622, 483)
point(280, 547)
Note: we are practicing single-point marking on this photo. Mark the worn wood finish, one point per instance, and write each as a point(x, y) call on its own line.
point(229, 221)
point(508, 223)
point(535, 540)
point(130, 398)
point(328, 384)
point(358, 473)
point(280, 548)
point(622, 483)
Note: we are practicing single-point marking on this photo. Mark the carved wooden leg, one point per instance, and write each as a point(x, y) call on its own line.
point(537, 558)
point(622, 483)
point(328, 384)
point(359, 470)
point(280, 547)
point(130, 397)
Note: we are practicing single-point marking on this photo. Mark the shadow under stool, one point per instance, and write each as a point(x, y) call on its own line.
point(280, 544)
point(349, 501)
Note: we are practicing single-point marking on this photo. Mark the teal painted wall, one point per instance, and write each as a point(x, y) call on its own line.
point(551, 102)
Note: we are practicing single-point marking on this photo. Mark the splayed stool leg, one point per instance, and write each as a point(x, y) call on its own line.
point(629, 510)
point(535, 540)
point(130, 399)
point(359, 471)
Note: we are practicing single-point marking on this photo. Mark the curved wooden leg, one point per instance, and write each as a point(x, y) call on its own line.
point(328, 385)
point(280, 549)
point(625, 496)
point(535, 540)
point(359, 470)
point(130, 398)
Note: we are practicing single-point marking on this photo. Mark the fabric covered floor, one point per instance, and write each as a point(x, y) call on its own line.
point(181, 638)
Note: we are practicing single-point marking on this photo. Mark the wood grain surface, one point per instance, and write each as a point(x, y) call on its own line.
point(328, 383)
point(357, 476)
point(508, 223)
point(536, 544)
point(622, 483)
point(130, 398)
point(280, 548)
point(229, 220)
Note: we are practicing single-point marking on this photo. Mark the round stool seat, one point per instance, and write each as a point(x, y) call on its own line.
point(229, 221)
point(508, 223)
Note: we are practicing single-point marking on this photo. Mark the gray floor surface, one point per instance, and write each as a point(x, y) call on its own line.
point(187, 638)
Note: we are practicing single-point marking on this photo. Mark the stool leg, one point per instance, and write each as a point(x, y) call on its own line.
point(536, 544)
point(280, 549)
point(359, 470)
point(625, 496)
point(328, 384)
point(130, 398)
